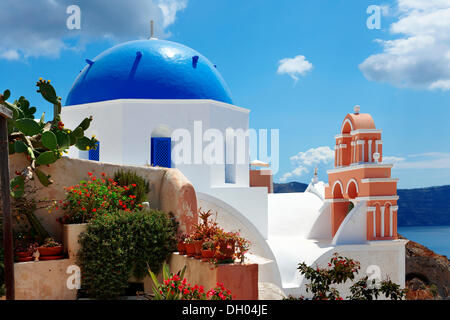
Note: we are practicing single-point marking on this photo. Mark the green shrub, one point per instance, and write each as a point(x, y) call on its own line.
point(137, 186)
point(120, 244)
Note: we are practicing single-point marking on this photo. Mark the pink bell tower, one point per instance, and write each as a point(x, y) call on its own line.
point(360, 175)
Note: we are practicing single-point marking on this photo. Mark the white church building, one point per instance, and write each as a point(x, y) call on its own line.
point(148, 97)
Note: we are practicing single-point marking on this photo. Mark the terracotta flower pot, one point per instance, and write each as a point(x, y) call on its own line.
point(50, 251)
point(226, 250)
point(55, 257)
point(190, 249)
point(25, 259)
point(207, 254)
point(181, 247)
point(198, 248)
point(24, 254)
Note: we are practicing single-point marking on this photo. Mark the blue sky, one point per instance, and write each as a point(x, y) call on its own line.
point(399, 73)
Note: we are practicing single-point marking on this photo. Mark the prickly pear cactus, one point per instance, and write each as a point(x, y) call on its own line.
point(42, 142)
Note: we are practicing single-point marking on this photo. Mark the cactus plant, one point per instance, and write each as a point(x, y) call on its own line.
point(42, 142)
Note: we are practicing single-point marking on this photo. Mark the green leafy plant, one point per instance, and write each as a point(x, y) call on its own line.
point(95, 197)
point(137, 185)
point(42, 142)
point(120, 244)
point(370, 290)
point(341, 269)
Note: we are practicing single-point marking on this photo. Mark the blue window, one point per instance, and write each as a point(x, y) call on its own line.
point(95, 154)
point(161, 151)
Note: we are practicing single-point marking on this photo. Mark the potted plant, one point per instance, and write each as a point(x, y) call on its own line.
point(24, 252)
point(198, 242)
point(208, 250)
point(225, 245)
point(181, 244)
point(50, 250)
point(190, 247)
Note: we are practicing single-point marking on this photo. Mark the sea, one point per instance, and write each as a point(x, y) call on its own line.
point(436, 238)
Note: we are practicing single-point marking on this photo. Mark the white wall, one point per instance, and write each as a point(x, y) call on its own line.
point(107, 126)
point(231, 219)
point(252, 202)
point(292, 214)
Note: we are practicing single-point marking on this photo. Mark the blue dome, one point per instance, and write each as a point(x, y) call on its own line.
point(148, 69)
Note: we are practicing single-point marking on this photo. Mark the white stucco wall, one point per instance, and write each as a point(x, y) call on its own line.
point(231, 219)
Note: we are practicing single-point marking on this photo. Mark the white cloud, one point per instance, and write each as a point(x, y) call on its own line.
point(431, 160)
point(419, 56)
point(294, 67)
point(10, 55)
point(392, 159)
point(323, 156)
point(297, 172)
point(170, 8)
point(38, 28)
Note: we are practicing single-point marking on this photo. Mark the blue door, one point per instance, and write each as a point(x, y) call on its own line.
point(94, 154)
point(161, 151)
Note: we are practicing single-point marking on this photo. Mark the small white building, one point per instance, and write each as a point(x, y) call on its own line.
point(155, 102)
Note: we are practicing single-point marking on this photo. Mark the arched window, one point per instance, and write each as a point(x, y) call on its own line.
point(337, 190)
point(352, 189)
point(94, 154)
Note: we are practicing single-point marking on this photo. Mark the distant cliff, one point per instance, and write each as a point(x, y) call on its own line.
point(417, 207)
point(424, 206)
point(289, 187)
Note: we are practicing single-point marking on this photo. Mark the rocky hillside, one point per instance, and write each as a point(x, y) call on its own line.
point(427, 273)
point(417, 207)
